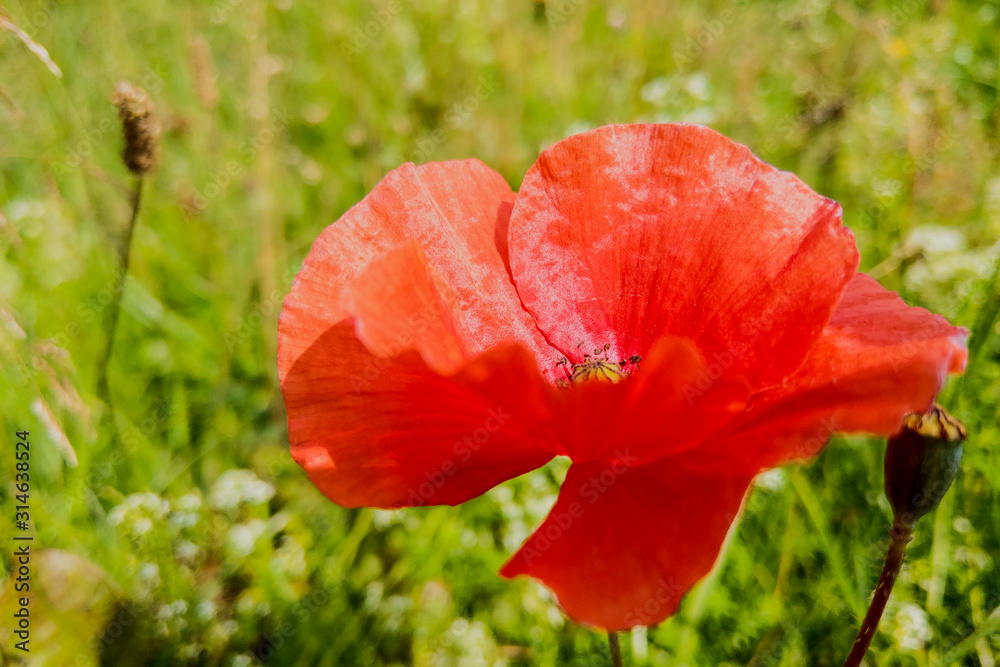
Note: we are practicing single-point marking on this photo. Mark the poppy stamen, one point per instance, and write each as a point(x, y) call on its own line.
point(597, 366)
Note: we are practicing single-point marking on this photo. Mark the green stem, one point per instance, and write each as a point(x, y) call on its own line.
point(616, 650)
point(966, 646)
point(901, 536)
point(114, 307)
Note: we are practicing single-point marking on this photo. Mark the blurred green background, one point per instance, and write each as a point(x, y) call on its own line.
point(174, 529)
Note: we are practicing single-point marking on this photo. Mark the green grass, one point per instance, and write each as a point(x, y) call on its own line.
point(277, 118)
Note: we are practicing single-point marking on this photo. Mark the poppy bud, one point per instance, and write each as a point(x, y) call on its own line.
point(921, 461)
point(140, 126)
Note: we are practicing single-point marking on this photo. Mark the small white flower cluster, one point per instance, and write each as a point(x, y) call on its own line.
point(912, 630)
point(773, 480)
point(175, 539)
point(170, 618)
point(945, 270)
point(242, 538)
point(471, 643)
point(186, 511)
point(147, 580)
point(235, 488)
point(139, 512)
point(289, 559)
point(680, 97)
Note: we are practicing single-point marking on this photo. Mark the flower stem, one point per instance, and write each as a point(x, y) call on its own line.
point(616, 650)
point(901, 536)
point(124, 255)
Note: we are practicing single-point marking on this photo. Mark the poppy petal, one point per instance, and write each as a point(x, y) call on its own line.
point(628, 233)
point(400, 302)
point(623, 544)
point(877, 361)
point(451, 210)
point(391, 432)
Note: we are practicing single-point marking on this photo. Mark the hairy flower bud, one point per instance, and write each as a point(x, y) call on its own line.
point(921, 461)
point(140, 127)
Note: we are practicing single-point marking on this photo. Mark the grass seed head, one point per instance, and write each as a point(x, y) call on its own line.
point(141, 128)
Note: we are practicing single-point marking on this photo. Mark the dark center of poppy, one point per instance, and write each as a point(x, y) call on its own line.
point(597, 366)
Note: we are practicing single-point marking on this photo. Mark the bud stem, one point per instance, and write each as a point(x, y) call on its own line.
point(114, 307)
point(901, 537)
point(616, 650)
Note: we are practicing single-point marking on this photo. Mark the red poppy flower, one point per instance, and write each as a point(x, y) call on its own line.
point(656, 303)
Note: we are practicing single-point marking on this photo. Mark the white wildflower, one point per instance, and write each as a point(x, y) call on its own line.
point(912, 631)
point(772, 480)
point(242, 538)
point(237, 487)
